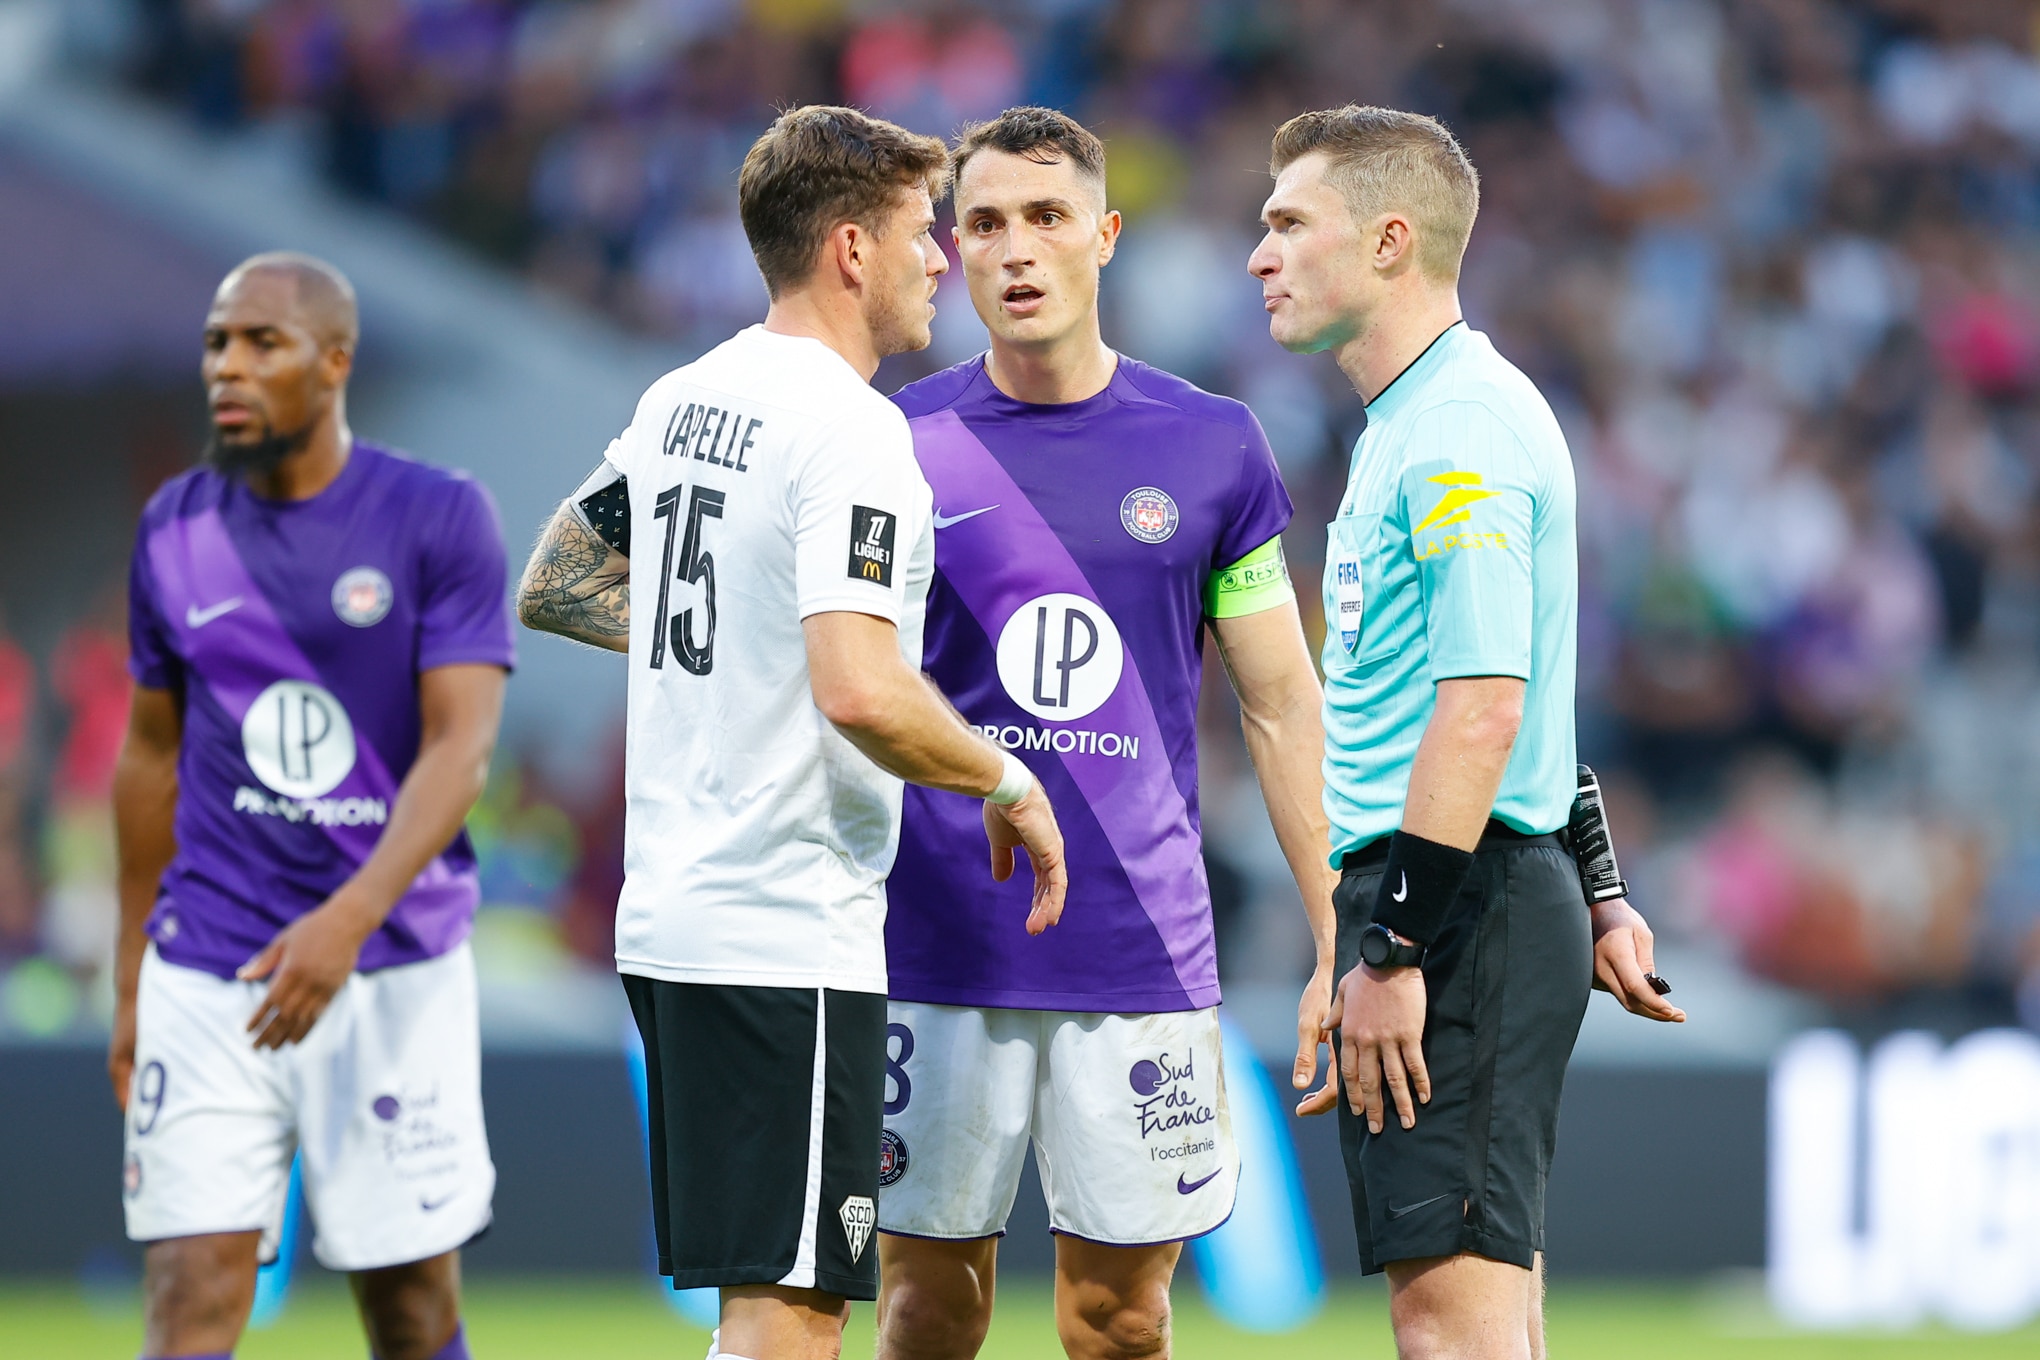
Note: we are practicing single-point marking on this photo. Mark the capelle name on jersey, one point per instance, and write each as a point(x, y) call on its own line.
point(709, 434)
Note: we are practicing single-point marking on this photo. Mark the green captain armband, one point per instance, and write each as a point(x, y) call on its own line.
point(1258, 581)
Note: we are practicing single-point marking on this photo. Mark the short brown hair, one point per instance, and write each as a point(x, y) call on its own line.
point(819, 166)
point(1044, 136)
point(1383, 159)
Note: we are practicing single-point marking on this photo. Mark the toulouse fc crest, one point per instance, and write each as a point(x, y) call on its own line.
point(362, 597)
point(892, 1157)
point(1149, 514)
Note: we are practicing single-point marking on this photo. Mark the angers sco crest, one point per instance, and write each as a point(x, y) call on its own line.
point(871, 544)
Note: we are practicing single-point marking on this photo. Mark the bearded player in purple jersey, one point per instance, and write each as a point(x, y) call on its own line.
point(1093, 517)
point(320, 636)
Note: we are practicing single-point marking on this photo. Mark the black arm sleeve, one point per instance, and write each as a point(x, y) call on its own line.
point(608, 510)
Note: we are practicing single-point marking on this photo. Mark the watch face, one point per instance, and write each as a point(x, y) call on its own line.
point(1374, 946)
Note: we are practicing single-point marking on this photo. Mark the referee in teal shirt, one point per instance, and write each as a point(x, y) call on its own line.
point(1465, 945)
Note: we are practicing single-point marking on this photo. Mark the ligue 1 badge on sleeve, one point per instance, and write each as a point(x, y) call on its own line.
point(362, 597)
point(1149, 514)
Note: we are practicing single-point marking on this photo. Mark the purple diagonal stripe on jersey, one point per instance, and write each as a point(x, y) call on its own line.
point(1136, 802)
point(247, 650)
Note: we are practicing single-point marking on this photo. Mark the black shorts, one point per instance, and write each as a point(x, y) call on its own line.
point(1507, 981)
point(764, 1133)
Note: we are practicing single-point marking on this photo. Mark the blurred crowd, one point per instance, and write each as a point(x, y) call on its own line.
point(1773, 261)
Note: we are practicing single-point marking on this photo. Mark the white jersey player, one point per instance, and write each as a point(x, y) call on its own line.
point(782, 534)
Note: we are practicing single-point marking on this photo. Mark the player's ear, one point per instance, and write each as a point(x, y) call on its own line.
point(1108, 236)
point(336, 362)
point(849, 249)
point(1395, 243)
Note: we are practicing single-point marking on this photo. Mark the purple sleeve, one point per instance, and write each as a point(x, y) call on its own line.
point(1261, 507)
point(465, 586)
point(151, 660)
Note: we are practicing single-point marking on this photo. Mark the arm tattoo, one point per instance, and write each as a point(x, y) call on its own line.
point(576, 585)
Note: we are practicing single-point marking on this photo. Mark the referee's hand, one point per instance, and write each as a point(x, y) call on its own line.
point(1379, 1016)
point(1030, 824)
point(1622, 955)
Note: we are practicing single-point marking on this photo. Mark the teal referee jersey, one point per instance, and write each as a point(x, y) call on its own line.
point(1453, 555)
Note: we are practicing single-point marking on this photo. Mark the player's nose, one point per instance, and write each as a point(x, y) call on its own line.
point(228, 363)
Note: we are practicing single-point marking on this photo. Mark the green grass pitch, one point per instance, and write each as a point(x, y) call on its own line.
point(555, 1318)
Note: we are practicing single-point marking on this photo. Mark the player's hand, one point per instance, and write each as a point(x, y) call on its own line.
point(1622, 955)
point(1312, 1029)
point(1030, 824)
point(120, 1050)
point(1380, 1016)
point(307, 964)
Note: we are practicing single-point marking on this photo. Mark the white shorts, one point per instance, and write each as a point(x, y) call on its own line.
point(1127, 1114)
point(383, 1098)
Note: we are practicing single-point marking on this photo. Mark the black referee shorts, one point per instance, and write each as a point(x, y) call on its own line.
point(1506, 982)
point(765, 1107)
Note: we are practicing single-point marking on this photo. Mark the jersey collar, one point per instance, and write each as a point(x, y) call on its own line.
point(1392, 397)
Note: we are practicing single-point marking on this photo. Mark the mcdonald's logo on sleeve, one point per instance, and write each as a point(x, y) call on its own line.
point(872, 534)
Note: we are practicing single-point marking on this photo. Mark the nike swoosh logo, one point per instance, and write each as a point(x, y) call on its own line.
point(194, 617)
point(1398, 1211)
point(1191, 1187)
point(428, 1205)
point(1404, 894)
point(943, 521)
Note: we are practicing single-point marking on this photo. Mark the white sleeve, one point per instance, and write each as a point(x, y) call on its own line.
point(858, 503)
point(607, 473)
point(647, 429)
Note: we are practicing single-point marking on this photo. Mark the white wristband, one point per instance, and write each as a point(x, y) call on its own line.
point(1013, 784)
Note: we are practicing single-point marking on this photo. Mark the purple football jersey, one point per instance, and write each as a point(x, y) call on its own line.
point(1072, 548)
point(296, 632)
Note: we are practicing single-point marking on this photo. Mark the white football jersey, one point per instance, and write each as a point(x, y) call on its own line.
point(767, 482)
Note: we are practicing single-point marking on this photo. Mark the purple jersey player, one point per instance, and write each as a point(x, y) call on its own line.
point(320, 635)
point(1093, 517)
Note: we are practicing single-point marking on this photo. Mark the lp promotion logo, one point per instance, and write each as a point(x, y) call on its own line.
point(1907, 1184)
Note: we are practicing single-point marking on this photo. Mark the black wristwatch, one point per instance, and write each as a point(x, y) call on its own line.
point(1381, 947)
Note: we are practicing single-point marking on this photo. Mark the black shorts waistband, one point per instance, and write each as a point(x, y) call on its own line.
point(1498, 835)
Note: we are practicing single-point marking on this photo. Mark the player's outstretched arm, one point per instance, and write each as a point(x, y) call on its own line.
point(576, 585)
point(889, 711)
point(459, 709)
point(145, 836)
point(1281, 714)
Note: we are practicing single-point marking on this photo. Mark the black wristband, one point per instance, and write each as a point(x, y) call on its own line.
point(1418, 886)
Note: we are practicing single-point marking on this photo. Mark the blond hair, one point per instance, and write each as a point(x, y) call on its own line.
point(1386, 160)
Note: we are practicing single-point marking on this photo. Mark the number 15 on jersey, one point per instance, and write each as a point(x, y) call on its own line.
point(696, 566)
